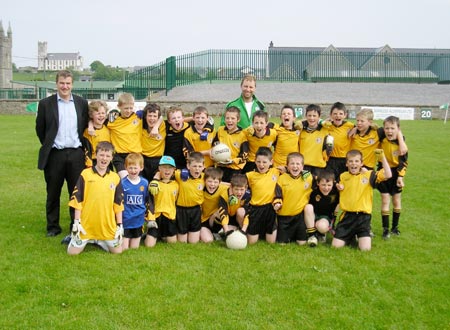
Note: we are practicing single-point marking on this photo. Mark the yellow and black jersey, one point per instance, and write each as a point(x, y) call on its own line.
point(191, 190)
point(324, 205)
point(165, 201)
point(255, 142)
point(238, 144)
point(341, 139)
point(312, 146)
point(101, 134)
point(293, 193)
point(211, 202)
point(195, 141)
point(357, 195)
point(367, 144)
point(126, 134)
point(153, 146)
point(174, 144)
point(396, 161)
point(99, 198)
point(288, 140)
point(262, 186)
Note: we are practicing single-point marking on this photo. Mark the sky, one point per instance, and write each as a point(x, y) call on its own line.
point(145, 32)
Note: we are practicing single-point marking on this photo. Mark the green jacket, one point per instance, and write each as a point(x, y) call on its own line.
point(245, 121)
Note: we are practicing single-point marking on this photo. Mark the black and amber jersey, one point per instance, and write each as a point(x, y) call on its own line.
point(126, 134)
point(238, 144)
point(99, 198)
point(341, 139)
point(165, 201)
point(396, 161)
point(195, 141)
point(174, 144)
point(293, 193)
point(255, 142)
point(312, 146)
point(153, 146)
point(101, 134)
point(367, 143)
point(357, 195)
point(324, 205)
point(211, 202)
point(288, 140)
point(191, 190)
point(262, 186)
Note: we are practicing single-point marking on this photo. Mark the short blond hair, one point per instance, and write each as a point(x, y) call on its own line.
point(365, 113)
point(134, 159)
point(95, 105)
point(248, 77)
point(125, 98)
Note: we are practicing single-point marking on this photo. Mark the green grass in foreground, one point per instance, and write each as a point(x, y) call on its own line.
point(403, 283)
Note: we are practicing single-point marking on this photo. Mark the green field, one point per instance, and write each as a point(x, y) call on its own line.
point(403, 283)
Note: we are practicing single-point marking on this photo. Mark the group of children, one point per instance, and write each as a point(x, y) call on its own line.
point(283, 182)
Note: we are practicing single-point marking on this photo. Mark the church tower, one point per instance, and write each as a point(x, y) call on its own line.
point(5, 57)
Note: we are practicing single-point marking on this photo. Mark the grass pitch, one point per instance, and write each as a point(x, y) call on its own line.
point(402, 283)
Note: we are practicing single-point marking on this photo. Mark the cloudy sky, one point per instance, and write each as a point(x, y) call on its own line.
point(145, 32)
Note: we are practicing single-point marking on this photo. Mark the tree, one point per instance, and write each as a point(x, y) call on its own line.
point(102, 72)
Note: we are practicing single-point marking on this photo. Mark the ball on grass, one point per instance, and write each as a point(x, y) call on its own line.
point(236, 241)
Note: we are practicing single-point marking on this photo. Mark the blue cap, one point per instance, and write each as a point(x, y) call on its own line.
point(167, 160)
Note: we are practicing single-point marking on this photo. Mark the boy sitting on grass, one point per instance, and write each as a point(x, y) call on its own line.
point(98, 203)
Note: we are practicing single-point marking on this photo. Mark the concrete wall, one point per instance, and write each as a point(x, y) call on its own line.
point(18, 107)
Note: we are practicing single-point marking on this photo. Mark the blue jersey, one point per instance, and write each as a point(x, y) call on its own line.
point(135, 198)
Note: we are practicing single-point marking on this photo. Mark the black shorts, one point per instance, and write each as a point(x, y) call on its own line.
point(261, 220)
point(119, 161)
point(249, 167)
point(326, 217)
point(166, 226)
point(151, 165)
point(232, 221)
point(390, 185)
point(337, 165)
point(313, 169)
point(228, 173)
point(351, 224)
point(188, 219)
point(132, 232)
point(291, 228)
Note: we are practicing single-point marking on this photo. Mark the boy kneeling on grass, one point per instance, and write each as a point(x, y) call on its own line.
point(356, 200)
point(98, 202)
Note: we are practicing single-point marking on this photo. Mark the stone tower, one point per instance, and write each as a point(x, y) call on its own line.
point(5, 57)
point(42, 55)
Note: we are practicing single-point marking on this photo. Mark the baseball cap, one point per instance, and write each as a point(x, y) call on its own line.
point(167, 160)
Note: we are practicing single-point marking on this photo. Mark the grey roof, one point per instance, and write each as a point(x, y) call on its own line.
point(368, 50)
point(63, 56)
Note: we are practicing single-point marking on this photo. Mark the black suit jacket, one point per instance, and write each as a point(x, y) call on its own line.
point(47, 121)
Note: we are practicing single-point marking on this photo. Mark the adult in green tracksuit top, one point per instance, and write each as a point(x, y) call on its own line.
point(247, 103)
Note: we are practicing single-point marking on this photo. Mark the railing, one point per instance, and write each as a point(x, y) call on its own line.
point(331, 65)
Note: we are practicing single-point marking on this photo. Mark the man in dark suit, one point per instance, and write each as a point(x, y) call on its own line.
point(60, 122)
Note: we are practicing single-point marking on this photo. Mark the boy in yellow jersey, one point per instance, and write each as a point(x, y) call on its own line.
point(98, 203)
point(294, 214)
point(262, 182)
point(214, 191)
point(393, 187)
point(200, 135)
point(312, 140)
point(258, 135)
point(356, 200)
point(152, 139)
point(236, 139)
point(367, 138)
point(339, 130)
point(126, 131)
point(165, 193)
point(288, 136)
point(190, 199)
point(97, 114)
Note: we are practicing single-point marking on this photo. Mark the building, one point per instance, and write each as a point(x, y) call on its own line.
point(5, 57)
point(57, 61)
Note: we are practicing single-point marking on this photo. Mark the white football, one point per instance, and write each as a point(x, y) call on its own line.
point(220, 152)
point(236, 241)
